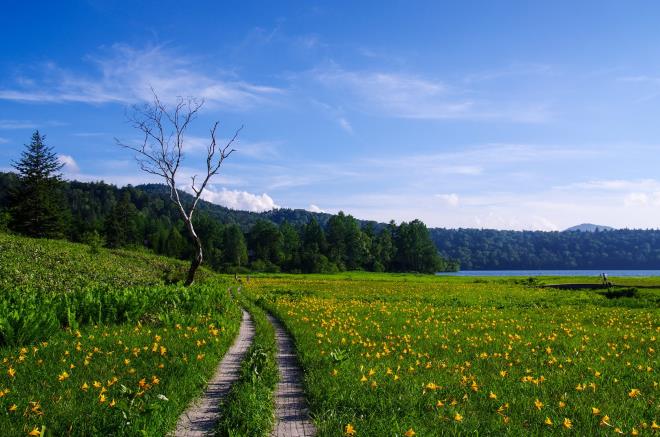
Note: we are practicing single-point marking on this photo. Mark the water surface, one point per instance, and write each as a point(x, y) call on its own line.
point(594, 273)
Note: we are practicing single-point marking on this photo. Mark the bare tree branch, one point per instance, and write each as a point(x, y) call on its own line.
point(161, 153)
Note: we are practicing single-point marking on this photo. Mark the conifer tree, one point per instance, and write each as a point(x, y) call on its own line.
point(37, 202)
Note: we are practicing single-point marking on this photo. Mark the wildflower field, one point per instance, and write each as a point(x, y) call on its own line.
point(99, 343)
point(406, 355)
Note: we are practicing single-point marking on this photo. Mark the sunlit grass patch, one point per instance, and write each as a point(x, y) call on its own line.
point(389, 356)
point(110, 379)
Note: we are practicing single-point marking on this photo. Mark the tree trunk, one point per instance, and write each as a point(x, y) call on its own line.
point(199, 257)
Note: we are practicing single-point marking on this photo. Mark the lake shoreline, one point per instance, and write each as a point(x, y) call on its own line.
point(611, 273)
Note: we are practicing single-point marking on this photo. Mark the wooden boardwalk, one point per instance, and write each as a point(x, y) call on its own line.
point(291, 412)
point(201, 417)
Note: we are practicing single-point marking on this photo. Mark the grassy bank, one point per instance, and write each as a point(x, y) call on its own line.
point(99, 343)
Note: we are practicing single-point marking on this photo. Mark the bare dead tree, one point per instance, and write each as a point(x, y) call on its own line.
point(161, 153)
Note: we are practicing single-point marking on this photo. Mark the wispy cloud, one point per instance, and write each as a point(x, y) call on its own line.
point(614, 185)
point(411, 96)
point(345, 124)
point(89, 134)
point(124, 74)
point(28, 124)
point(16, 124)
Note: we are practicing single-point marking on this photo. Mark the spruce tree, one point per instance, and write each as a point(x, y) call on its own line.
point(37, 202)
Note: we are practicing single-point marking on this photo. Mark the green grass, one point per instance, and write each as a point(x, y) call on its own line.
point(385, 353)
point(100, 344)
point(56, 266)
point(388, 354)
point(248, 409)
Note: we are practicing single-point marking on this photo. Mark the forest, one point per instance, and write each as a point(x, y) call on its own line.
point(295, 240)
point(487, 249)
point(143, 217)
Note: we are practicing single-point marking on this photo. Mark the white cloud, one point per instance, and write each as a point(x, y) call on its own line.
point(642, 199)
point(396, 94)
point(126, 75)
point(615, 185)
point(70, 164)
point(448, 199)
point(344, 124)
point(89, 134)
point(314, 208)
point(240, 200)
point(28, 124)
point(468, 170)
point(16, 124)
point(411, 96)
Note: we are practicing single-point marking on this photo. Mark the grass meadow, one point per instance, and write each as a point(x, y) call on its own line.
point(103, 344)
point(420, 355)
point(109, 343)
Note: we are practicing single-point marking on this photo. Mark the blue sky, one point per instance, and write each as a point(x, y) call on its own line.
point(509, 115)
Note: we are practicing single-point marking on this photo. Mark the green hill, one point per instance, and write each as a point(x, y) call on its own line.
point(103, 343)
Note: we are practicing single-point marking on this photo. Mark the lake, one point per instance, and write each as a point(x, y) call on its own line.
point(594, 273)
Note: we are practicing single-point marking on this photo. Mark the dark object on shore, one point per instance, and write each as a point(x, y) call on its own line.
point(623, 292)
point(579, 286)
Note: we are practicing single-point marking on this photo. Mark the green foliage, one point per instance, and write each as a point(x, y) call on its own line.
point(414, 249)
point(58, 266)
point(38, 207)
point(70, 320)
point(235, 249)
point(94, 240)
point(145, 217)
point(5, 220)
point(487, 249)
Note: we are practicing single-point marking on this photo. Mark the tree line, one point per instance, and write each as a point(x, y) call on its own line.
point(36, 202)
point(487, 249)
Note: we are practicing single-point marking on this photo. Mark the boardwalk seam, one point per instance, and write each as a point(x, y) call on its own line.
point(291, 411)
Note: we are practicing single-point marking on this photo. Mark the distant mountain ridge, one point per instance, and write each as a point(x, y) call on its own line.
point(588, 227)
